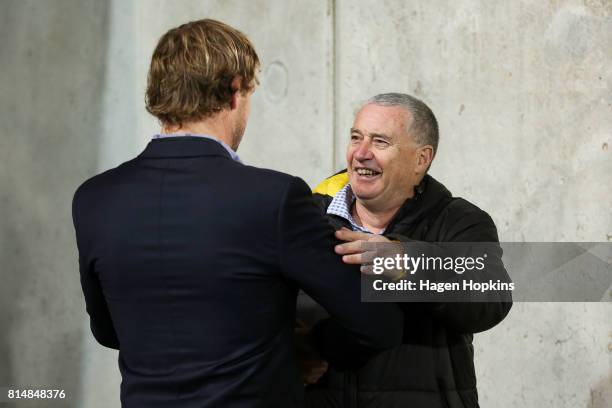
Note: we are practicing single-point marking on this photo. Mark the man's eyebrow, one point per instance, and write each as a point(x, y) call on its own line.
point(353, 130)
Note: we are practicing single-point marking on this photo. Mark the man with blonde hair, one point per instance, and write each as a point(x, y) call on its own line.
point(190, 261)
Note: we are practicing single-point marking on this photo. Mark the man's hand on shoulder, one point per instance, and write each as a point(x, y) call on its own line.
point(361, 248)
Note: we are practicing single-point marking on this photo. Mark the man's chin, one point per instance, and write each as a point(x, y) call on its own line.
point(365, 194)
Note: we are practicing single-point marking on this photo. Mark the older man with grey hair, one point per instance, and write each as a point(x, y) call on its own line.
point(386, 194)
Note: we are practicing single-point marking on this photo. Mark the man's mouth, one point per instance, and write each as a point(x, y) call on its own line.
point(365, 172)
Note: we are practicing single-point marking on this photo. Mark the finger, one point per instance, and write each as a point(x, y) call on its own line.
point(314, 366)
point(354, 259)
point(348, 235)
point(354, 247)
point(373, 245)
point(367, 257)
point(319, 367)
point(309, 380)
point(318, 371)
point(383, 246)
point(313, 378)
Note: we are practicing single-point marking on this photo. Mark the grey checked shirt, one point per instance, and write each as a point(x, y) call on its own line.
point(341, 206)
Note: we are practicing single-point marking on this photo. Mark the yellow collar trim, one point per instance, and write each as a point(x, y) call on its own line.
point(330, 186)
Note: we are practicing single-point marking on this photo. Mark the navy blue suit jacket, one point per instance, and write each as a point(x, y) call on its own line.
point(190, 263)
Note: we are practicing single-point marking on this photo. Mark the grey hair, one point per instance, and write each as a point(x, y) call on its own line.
point(424, 126)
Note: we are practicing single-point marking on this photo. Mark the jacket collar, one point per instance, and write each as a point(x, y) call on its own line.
point(428, 195)
point(183, 146)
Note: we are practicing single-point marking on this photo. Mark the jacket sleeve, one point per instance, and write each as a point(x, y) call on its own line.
point(307, 258)
point(474, 317)
point(472, 225)
point(99, 316)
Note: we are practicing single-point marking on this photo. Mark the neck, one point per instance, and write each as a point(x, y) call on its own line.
point(374, 221)
point(216, 126)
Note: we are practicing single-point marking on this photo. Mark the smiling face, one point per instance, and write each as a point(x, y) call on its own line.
point(383, 161)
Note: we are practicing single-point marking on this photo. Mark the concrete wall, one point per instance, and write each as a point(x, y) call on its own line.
point(523, 94)
point(52, 63)
point(522, 91)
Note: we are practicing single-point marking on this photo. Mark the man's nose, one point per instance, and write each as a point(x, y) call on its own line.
point(364, 151)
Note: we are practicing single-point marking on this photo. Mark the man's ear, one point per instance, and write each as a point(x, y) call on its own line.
point(424, 158)
point(236, 86)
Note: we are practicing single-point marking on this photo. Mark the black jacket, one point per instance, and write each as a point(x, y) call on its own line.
point(190, 264)
point(434, 366)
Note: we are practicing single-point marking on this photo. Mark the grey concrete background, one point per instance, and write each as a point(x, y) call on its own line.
point(52, 63)
point(522, 91)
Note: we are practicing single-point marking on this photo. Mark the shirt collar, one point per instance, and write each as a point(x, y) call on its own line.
point(341, 206)
point(231, 152)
